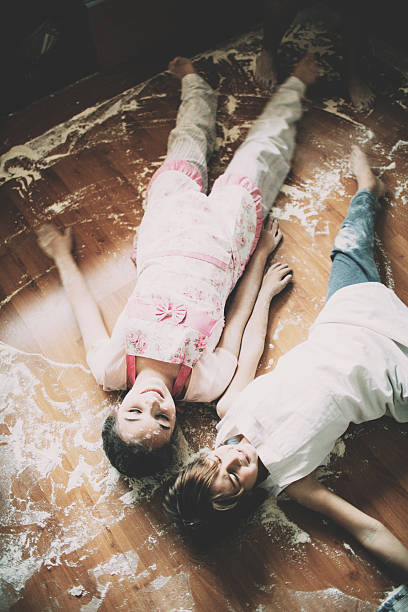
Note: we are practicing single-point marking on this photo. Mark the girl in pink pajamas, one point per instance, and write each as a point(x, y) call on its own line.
point(171, 340)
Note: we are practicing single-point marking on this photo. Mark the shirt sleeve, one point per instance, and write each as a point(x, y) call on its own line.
point(107, 359)
point(211, 376)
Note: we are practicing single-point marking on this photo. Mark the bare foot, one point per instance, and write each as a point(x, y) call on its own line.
point(271, 235)
point(54, 243)
point(180, 66)
point(265, 70)
point(275, 280)
point(307, 70)
point(360, 167)
point(362, 97)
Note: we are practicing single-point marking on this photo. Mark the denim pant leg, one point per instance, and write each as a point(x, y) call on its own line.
point(353, 249)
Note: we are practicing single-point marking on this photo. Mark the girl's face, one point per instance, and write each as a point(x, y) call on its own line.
point(237, 468)
point(147, 413)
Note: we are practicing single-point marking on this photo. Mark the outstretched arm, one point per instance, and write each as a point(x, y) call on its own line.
point(58, 247)
point(253, 340)
point(371, 533)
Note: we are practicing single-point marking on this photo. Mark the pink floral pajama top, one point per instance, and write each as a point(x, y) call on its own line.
point(191, 251)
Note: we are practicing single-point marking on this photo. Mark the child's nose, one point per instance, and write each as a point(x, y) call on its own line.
point(232, 461)
point(155, 407)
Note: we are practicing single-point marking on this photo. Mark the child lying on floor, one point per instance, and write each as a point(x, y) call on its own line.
point(281, 426)
point(170, 341)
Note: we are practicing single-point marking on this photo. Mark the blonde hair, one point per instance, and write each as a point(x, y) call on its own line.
point(191, 500)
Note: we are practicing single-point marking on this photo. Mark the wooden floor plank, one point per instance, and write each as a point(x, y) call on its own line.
point(75, 535)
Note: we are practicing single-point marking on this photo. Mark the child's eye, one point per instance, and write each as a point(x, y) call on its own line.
point(135, 410)
point(163, 416)
point(234, 479)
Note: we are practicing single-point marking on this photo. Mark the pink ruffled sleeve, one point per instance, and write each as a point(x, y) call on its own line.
point(178, 165)
point(229, 179)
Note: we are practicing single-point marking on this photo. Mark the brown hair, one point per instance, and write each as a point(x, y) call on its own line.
point(133, 459)
point(190, 498)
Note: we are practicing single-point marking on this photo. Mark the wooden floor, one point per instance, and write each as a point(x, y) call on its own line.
point(75, 535)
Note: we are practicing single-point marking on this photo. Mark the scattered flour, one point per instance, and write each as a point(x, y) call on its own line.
point(123, 564)
point(401, 192)
point(339, 448)
point(346, 239)
point(77, 591)
point(278, 330)
point(159, 582)
point(231, 104)
point(39, 445)
point(332, 107)
point(305, 202)
point(26, 161)
point(348, 547)
point(32, 280)
point(274, 520)
point(384, 263)
point(329, 599)
point(399, 144)
point(96, 602)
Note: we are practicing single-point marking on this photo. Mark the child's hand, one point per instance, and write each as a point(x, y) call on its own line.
point(52, 242)
point(270, 236)
point(277, 277)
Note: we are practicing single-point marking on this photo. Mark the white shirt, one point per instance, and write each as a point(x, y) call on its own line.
point(352, 368)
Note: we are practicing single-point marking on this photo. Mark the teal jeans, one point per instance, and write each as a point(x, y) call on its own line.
point(353, 250)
